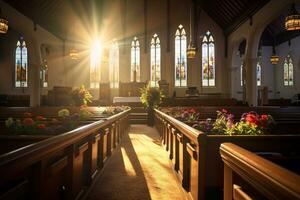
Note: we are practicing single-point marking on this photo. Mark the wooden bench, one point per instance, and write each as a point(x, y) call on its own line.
point(248, 176)
point(63, 166)
point(196, 159)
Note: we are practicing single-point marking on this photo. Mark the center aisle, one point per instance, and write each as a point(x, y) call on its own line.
point(138, 170)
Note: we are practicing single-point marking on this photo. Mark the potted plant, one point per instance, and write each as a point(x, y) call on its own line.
point(81, 96)
point(151, 97)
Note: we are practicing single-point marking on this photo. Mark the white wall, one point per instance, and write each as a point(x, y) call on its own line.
point(19, 25)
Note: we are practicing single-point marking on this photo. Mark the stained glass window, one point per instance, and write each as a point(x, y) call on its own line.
point(21, 64)
point(95, 65)
point(288, 71)
point(180, 57)
point(258, 73)
point(114, 65)
point(208, 60)
point(44, 74)
point(135, 61)
point(155, 61)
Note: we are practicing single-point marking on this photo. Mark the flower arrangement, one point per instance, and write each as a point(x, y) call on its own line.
point(30, 125)
point(187, 115)
point(27, 125)
point(151, 97)
point(250, 123)
point(81, 96)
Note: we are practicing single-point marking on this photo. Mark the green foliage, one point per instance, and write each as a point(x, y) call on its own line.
point(151, 97)
point(81, 96)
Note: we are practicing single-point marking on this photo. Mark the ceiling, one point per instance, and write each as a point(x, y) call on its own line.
point(229, 14)
point(57, 15)
point(275, 32)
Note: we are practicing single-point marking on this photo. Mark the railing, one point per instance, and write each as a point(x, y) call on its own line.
point(63, 166)
point(264, 177)
point(196, 159)
point(183, 143)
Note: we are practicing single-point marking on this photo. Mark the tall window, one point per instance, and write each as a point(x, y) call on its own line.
point(242, 73)
point(114, 65)
point(180, 57)
point(21, 64)
point(208, 60)
point(44, 74)
point(135, 60)
point(288, 71)
point(95, 65)
point(258, 73)
point(155, 61)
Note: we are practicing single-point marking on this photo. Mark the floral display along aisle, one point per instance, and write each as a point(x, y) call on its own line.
point(65, 121)
point(250, 123)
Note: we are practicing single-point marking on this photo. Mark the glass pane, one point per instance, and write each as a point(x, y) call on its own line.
point(285, 73)
point(204, 64)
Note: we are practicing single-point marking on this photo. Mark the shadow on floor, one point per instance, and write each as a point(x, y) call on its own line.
point(138, 170)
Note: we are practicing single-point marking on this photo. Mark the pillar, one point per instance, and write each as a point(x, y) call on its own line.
point(251, 87)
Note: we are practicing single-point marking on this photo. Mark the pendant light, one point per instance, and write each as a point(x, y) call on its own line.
point(74, 55)
point(191, 49)
point(3, 23)
point(292, 21)
point(274, 59)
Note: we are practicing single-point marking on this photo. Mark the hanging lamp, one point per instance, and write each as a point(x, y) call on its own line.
point(191, 49)
point(74, 55)
point(292, 21)
point(274, 59)
point(3, 23)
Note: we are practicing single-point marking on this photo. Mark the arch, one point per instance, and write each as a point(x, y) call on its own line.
point(208, 60)
point(21, 64)
point(155, 70)
point(114, 65)
point(180, 57)
point(288, 71)
point(135, 72)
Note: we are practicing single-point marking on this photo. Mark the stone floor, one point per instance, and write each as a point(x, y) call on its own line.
point(138, 170)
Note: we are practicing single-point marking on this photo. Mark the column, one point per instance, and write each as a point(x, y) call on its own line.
point(251, 87)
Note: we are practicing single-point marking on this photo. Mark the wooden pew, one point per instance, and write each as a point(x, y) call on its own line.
point(63, 166)
point(195, 156)
point(287, 119)
point(260, 178)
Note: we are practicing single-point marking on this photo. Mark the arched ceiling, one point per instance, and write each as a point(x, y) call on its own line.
point(60, 16)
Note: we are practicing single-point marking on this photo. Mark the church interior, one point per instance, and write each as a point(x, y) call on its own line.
point(141, 99)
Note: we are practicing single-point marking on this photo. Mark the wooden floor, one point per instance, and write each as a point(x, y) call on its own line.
point(138, 170)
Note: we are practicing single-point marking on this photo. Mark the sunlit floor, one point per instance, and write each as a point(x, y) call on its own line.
point(138, 170)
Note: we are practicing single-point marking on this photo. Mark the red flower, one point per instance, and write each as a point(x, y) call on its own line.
point(28, 121)
point(264, 117)
point(27, 114)
point(252, 119)
point(224, 111)
point(40, 118)
point(41, 126)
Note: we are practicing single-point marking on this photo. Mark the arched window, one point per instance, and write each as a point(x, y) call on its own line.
point(288, 71)
point(180, 57)
point(242, 73)
point(155, 61)
point(135, 60)
point(114, 65)
point(95, 65)
point(21, 64)
point(208, 60)
point(258, 73)
point(44, 74)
